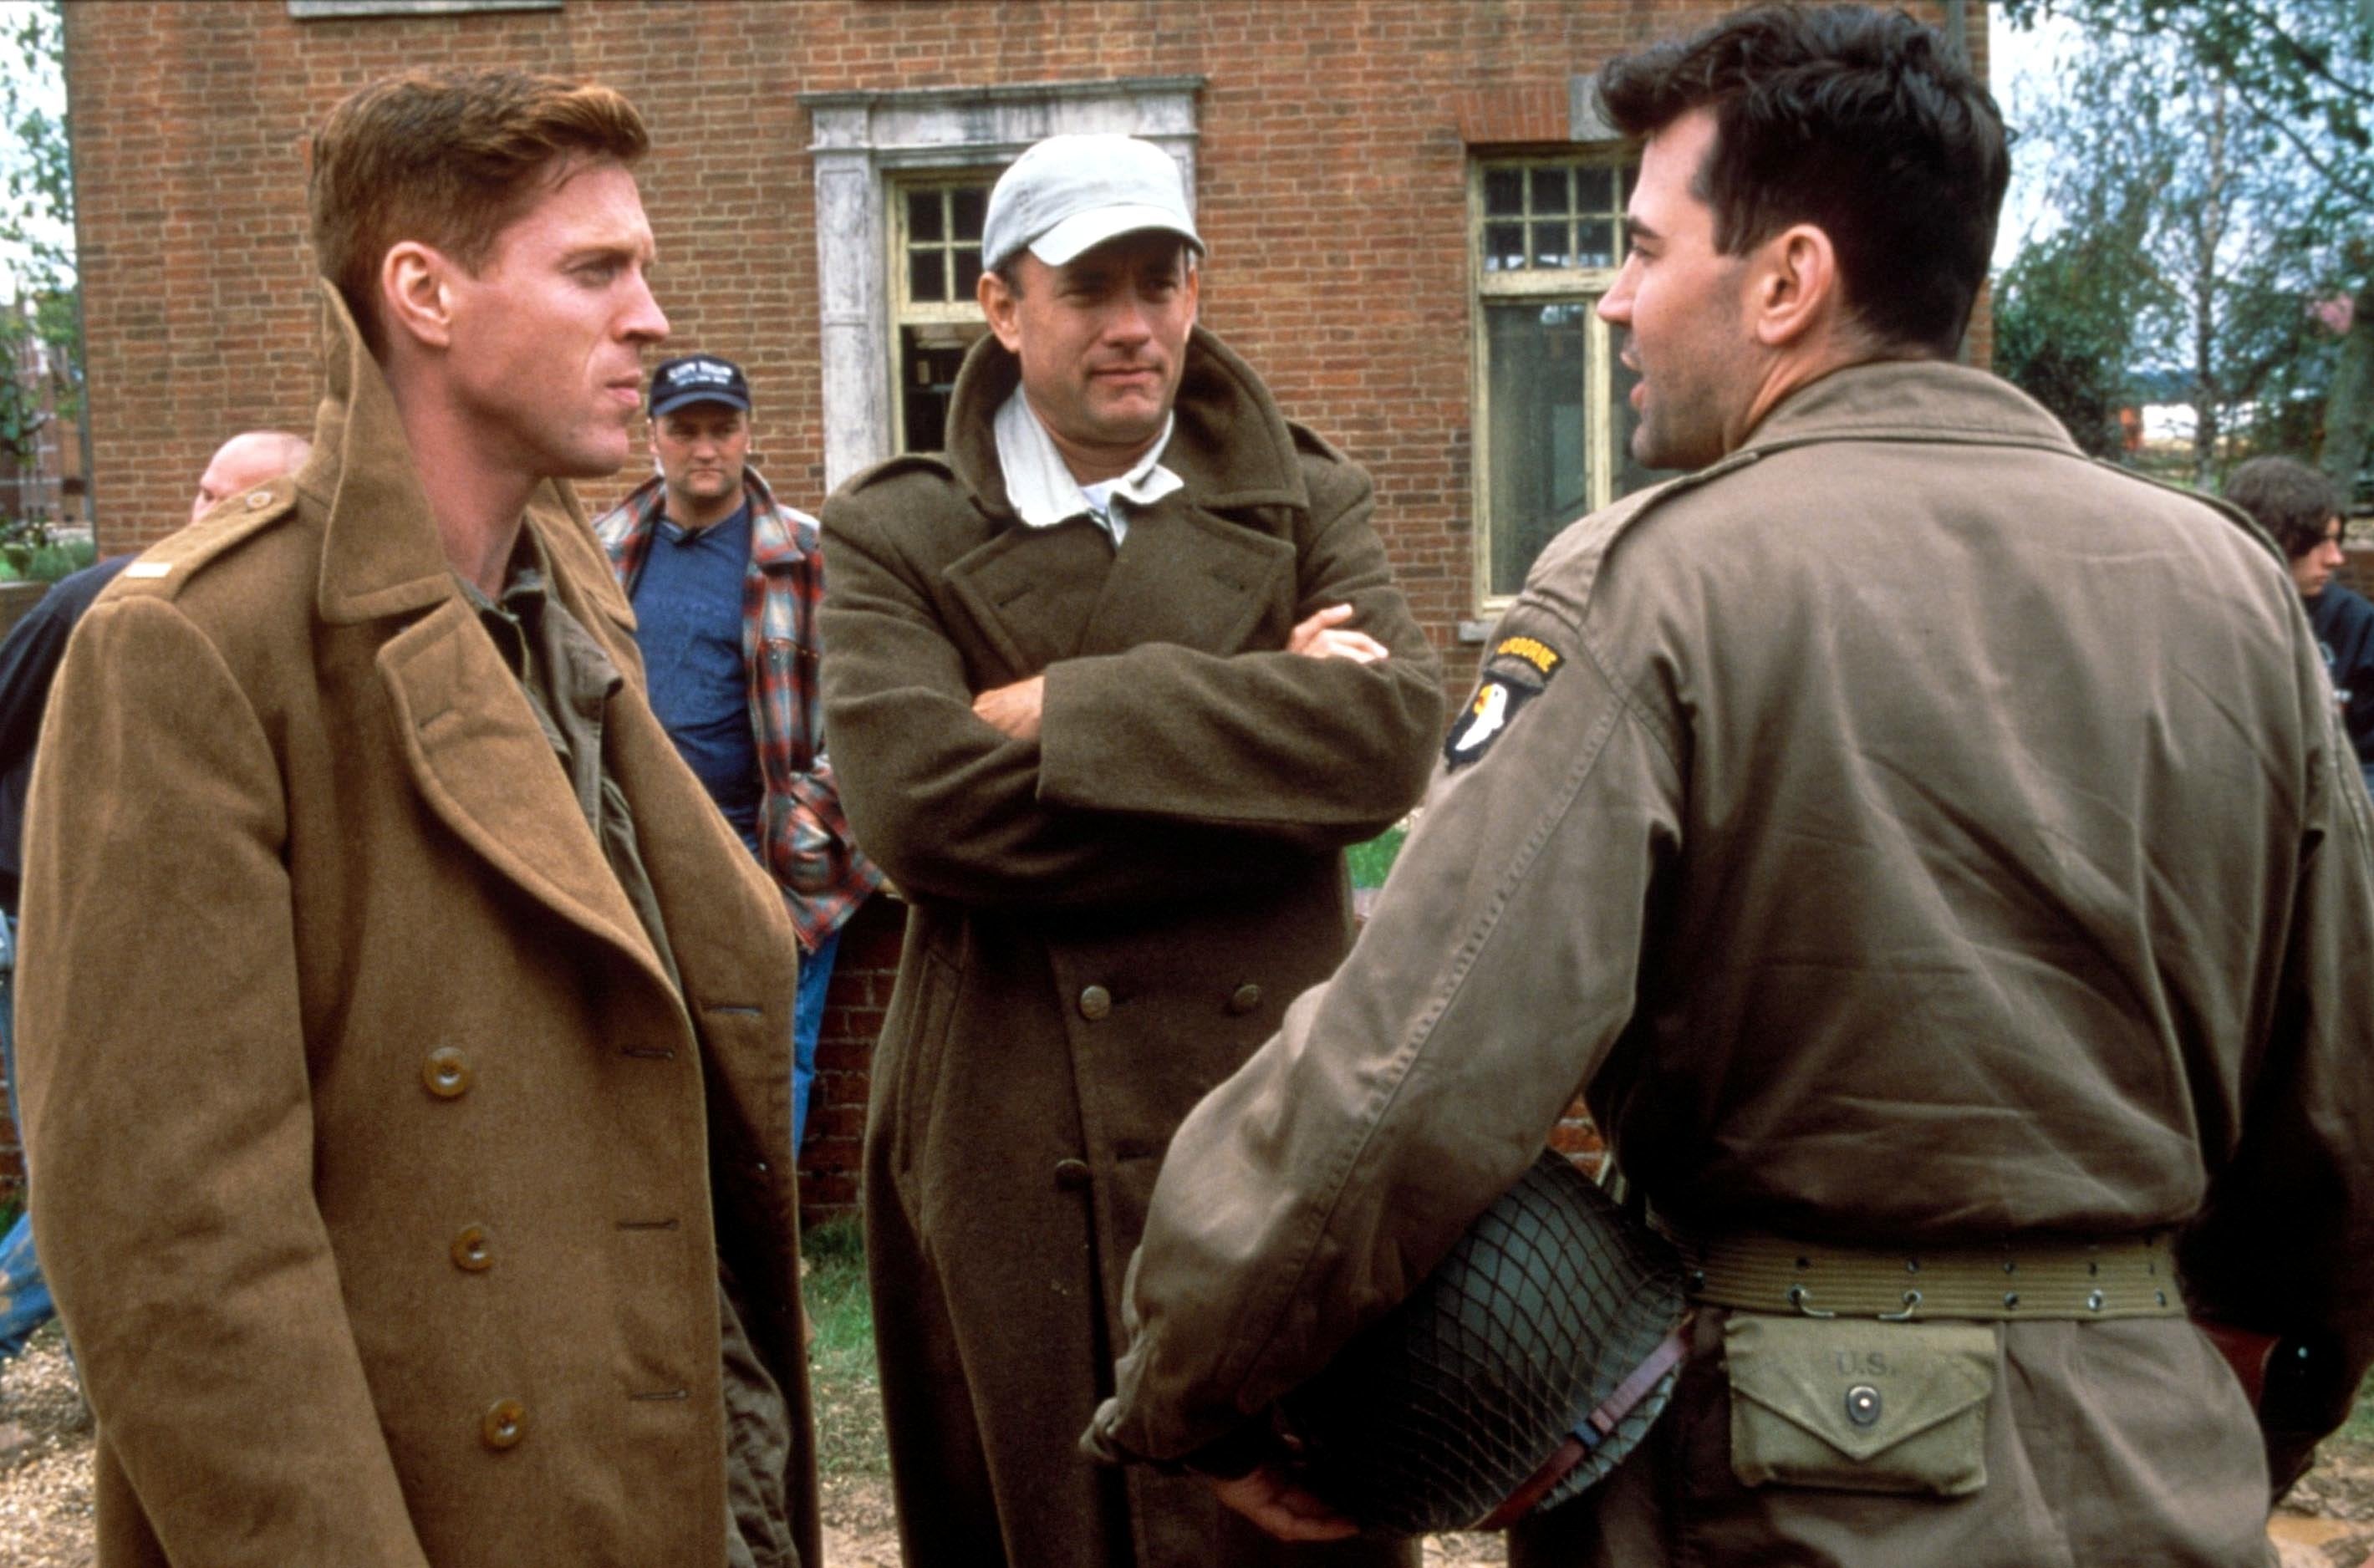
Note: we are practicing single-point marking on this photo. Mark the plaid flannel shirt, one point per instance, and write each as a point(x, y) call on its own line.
point(803, 836)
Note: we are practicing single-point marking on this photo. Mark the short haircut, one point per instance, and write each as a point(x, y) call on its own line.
point(448, 159)
point(2290, 500)
point(1859, 122)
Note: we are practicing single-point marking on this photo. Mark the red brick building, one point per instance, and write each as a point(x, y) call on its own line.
point(1410, 206)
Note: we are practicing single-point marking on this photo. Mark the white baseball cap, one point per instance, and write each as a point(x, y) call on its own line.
point(1069, 195)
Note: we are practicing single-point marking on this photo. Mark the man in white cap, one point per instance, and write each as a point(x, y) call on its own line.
point(1113, 680)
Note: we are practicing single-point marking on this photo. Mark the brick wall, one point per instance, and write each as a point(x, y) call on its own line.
point(1332, 158)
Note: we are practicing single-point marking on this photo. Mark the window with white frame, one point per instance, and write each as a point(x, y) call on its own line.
point(898, 241)
point(1554, 416)
point(935, 312)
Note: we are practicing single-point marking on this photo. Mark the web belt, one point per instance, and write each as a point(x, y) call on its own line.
point(2130, 1276)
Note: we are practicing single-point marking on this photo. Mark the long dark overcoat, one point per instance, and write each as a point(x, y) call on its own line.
point(1105, 922)
point(383, 1174)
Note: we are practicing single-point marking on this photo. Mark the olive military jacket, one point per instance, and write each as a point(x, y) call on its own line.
point(385, 1175)
point(1105, 921)
point(1908, 832)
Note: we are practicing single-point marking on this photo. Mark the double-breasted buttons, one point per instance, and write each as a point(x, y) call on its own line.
point(1071, 1174)
point(447, 1073)
point(1094, 1002)
point(473, 1254)
point(1244, 999)
point(503, 1425)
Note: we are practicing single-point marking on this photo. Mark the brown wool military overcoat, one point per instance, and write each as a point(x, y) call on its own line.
point(1105, 921)
point(377, 1161)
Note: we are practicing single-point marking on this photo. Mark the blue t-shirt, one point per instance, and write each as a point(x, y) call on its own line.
point(688, 614)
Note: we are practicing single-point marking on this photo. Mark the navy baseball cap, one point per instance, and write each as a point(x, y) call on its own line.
point(699, 377)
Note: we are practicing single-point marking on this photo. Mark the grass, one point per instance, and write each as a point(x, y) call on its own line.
point(841, 1366)
point(2360, 1428)
point(1371, 860)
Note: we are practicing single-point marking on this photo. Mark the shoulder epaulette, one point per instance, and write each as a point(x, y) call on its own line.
point(905, 463)
point(179, 556)
point(1578, 550)
point(1307, 440)
point(2217, 504)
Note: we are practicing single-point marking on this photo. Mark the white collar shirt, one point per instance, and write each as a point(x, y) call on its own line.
point(1040, 483)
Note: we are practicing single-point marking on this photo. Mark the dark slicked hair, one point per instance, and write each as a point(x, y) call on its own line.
point(2290, 500)
point(1859, 122)
point(448, 159)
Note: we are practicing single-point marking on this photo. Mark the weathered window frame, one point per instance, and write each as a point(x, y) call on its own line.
point(960, 312)
point(1582, 286)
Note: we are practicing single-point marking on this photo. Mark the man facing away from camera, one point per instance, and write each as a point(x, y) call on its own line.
point(1111, 684)
point(404, 1034)
point(1933, 854)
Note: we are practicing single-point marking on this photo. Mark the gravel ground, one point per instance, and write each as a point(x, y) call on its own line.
point(45, 1511)
point(45, 1518)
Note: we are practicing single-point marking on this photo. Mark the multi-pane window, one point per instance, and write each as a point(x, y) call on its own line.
point(935, 232)
point(1553, 409)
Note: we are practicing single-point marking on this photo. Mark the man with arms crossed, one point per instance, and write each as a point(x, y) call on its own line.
point(404, 1034)
point(1111, 684)
point(726, 581)
point(1935, 855)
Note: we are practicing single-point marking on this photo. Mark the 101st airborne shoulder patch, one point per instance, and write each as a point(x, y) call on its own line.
point(1517, 671)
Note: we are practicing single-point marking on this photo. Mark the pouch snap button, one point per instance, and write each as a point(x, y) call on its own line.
point(1863, 1405)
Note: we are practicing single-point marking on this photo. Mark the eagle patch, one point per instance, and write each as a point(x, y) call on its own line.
point(1517, 671)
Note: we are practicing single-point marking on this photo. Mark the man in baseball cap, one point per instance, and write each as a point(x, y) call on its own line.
point(1112, 680)
point(726, 581)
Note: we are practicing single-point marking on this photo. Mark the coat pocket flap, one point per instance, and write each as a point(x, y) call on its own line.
point(1860, 1386)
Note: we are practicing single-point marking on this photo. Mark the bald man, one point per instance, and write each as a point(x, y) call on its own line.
point(28, 660)
point(247, 459)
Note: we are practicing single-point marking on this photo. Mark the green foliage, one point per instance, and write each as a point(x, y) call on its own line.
point(2249, 125)
point(41, 332)
point(1371, 860)
point(2065, 331)
point(31, 551)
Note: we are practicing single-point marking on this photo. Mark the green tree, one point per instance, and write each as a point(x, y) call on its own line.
point(41, 332)
point(2298, 84)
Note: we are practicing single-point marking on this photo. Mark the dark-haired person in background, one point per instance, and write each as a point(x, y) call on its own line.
point(1933, 854)
point(28, 663)
point(406, 1038)
point(2301, 509)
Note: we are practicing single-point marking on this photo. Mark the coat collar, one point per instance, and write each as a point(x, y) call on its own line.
point(1910, 400)
point(776, 530)
point(1228, 441)
point(380, 550)
point(381, 554)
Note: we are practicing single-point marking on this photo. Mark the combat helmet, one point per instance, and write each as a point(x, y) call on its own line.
point(1530, 1361)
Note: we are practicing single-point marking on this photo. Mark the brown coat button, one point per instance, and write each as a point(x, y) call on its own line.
point(471, 1254)
point(447, 1073)
point(1094, 1002)
point(1071, 1174)
point(1246, 998)
point(503, 1425)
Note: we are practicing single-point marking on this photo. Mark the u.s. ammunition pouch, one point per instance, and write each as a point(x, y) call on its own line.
point(1852, 1404)
point(1863, 1370)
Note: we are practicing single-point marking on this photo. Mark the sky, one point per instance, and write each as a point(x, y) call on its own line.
point(49, 95)
point(2023, 65)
